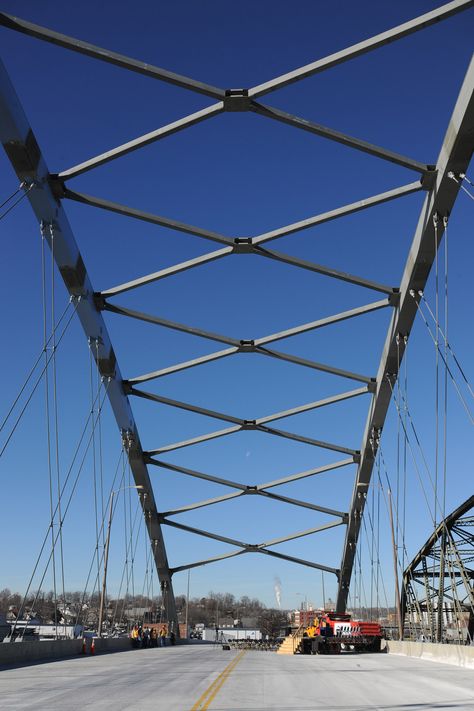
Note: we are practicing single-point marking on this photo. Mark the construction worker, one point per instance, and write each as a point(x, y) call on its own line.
point(163, 632)
point(134, 636)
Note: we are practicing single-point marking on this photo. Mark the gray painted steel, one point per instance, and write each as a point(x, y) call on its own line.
point(368, 45)
point(48, 190)
point(25, 155)
point(454, 156)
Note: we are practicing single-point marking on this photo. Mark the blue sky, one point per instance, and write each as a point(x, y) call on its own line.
point(238, 174)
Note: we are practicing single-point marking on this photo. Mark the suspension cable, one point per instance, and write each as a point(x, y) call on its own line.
point(61, 523)
point(102, 527)
point(9, 209)
point(469, 414)
point(413, 455)
point(56, 417)
point(48, 424)
point(405, 408)
point(459, 182)
point(38, 380)
point(93, 454)
point(448, 346)
point(32, 370)
point(11, 196)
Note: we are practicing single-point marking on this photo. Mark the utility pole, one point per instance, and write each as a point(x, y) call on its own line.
point(106, 560)
point(187, 603)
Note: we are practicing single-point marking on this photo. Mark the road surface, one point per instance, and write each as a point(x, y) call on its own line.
point(195, 678)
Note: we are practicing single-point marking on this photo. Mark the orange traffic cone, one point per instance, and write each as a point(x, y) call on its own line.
point(93, 646)
point(83, 651)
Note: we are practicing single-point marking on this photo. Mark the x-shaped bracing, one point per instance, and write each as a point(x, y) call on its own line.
point(230, 100)
point(255, 490)
point(253, 547)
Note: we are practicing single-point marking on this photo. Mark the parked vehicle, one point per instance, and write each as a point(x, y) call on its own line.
point(333, 632)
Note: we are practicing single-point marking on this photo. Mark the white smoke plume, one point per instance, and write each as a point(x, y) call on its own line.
point(277, 588)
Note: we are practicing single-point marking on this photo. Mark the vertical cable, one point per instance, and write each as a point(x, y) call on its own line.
point(398, 436)
point(132, 555)
point(56, 421)
point(446, 341)
point(48, 421)
point(372, 573)
point(94, 472)
point(435, 508)
point(379, 484)
point(405, 415)
point(99, 438)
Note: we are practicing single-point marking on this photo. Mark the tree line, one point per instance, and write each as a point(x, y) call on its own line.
point(83, 608)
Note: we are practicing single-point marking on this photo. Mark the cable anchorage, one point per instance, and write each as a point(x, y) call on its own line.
point(128, 440)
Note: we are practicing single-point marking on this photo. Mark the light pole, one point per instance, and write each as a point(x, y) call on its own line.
point(106, 555)
point(187, 604)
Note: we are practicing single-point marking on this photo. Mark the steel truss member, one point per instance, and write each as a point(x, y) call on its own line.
point(438, 585)
point(48, 191)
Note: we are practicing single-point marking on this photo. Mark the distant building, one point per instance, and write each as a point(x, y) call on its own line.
point(209, 634)
point(303, 617)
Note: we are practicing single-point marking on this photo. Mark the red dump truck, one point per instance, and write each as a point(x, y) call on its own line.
point(333, 632)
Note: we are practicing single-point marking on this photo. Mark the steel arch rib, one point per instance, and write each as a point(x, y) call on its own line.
point(25, 155)
point(455, 154)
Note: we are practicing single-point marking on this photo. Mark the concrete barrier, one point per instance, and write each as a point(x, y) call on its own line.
point(24, 652)
point(459, 655)
point(29, 652)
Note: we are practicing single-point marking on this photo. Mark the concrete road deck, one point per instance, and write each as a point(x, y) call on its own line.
point(192, 678)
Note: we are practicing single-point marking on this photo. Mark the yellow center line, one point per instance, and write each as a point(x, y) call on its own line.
point(207, 697)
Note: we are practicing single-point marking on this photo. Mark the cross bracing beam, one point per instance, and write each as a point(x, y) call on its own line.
point(239, 100)
point(252, 344)
point(257, 547)
point(356, 50)
point(253, 491)
point(242, 421)
point(194, 440)
point(455, 154)
point(305, 362)
point(142, 141)
point(214, 559)
point(260, 251)
point(106, 55)
point(158, 321)
point(305, 474)
point(257, 428)
point(320, 269)
point(168, 271)
point(258, 489)
point(257, 342)
point(244, 487)
point(274, 554)
point(322, 322)
point(337, 212)
point(193, 363)
point(308, 440)
point(325, 132)
point(194, 473)
point(218, 355)
point(136, 214)
point(312, 406)
point(301, 561)
point(29, 164)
